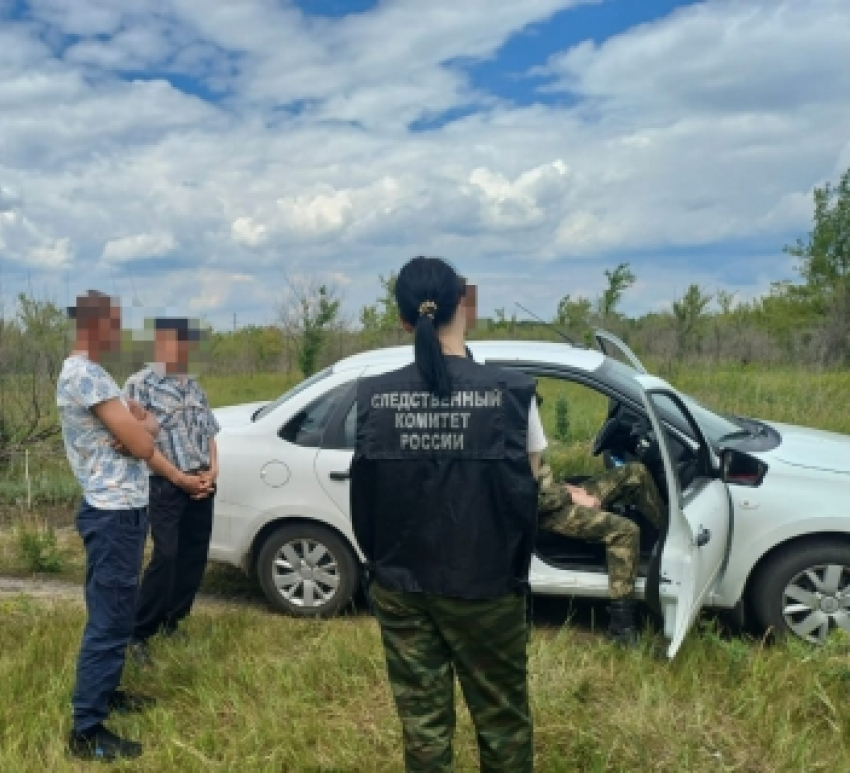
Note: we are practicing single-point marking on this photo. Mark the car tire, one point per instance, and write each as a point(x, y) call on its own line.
point(804, 591)
point(307, 570)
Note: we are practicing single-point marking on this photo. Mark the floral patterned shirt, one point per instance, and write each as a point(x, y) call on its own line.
point(179, 404)
point(110, 481)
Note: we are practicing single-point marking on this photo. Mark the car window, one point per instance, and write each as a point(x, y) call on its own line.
point(349, 428)
point(314, 379)
point(307, 427)
point(614, 352)
point(689, 465)
point(713, 425)
point(572, 415)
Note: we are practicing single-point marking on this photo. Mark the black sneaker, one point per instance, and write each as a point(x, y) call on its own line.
point(140, 654)
point(98, 743)
point(130, 703)
point(175, 635)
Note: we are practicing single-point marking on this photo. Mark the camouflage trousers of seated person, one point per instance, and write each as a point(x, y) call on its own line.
point(430, 639)
point(630, 484)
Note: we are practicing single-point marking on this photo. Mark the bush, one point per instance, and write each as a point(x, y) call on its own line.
point(562, 419)
point(37, 547)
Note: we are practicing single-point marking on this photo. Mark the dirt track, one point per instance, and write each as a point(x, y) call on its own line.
point(62, 591)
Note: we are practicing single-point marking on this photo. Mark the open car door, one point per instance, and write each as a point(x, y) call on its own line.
point(616, 349)
point(700, 516)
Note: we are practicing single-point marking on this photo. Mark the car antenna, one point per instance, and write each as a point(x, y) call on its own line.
point(548, 324)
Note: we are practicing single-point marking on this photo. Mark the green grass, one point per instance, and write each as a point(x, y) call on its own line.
point(16, 557)
point(253, 691)
point(258, 692)
point(792, 396)
point(69, 562)
point(232, 390)
point(814, 399)
point(51, 484)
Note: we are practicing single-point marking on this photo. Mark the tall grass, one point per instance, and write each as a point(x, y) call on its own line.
point(813, 399)
point(258, 692)
point(792, 396)
point(51, 484)
point(255, 692)
point(231, 390)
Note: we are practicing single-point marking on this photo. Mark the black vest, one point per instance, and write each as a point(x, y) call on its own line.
point(443, 499)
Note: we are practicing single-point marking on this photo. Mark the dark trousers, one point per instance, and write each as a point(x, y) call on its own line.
point(181, 529)
point(114, 541)
point(427, 640)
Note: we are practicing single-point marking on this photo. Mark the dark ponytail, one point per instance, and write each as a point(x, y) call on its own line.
point(428, 291)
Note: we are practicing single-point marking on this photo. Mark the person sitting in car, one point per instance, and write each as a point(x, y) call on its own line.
point(584, 512)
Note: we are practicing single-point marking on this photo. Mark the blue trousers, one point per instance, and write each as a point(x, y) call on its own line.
point(114, 541)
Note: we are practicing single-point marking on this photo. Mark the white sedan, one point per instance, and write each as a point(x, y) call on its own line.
point(758, 517)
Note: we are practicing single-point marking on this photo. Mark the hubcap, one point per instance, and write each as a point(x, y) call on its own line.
point(818, 600)
point(306, 573)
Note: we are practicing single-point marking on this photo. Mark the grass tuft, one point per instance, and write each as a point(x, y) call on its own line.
point(37, 546)
point(252, 691)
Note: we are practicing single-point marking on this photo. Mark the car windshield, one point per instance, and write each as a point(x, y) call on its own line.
point(267, 409)
point(716, 427)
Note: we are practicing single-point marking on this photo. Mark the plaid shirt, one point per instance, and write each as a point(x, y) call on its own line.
point(181, 408)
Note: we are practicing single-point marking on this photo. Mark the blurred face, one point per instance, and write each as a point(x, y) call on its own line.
point(461, 315)
point(108, 331)
point(171, 351)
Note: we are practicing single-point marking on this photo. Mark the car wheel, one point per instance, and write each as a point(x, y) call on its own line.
point(805, 591)
point(307, 570)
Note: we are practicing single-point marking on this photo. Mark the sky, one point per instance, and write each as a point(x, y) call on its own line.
point(201, 157)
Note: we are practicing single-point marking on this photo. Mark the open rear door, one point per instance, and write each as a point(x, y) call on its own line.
point(699, 521)
point(613, 347)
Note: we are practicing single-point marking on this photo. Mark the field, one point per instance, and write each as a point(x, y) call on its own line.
point(257, 692)
point(794, 396)
point(253, 691)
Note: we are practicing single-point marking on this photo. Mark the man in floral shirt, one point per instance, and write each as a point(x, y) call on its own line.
point(112, 519)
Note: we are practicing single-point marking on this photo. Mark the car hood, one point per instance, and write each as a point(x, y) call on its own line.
point(812, 448)
point(235, 415)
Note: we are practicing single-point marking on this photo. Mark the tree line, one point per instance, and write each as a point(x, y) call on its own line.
point(801, 323)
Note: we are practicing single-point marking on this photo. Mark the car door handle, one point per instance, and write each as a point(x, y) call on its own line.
point(337, 475)
point(703, 537)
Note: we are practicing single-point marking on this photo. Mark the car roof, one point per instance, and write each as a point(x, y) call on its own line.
point(542, 352)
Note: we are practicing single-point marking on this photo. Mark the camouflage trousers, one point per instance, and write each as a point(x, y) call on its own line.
point(630, 484)
point(427, 640)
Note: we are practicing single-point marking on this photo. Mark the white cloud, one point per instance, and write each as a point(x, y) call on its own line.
point(323, 213)
point(138, 247)
point(9, 199)
point(719, 57)
point(523, 202)
point(213, 289)
point(707, 127)
point(246, 231)
point(30, 247)
point(53, 254)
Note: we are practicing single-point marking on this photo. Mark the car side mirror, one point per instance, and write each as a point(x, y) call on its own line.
point(740, 469)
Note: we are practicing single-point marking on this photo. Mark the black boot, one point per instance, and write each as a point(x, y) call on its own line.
point(98, 743)
point(621, 628)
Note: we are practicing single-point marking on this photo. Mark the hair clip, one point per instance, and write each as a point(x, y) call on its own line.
point(428, 309)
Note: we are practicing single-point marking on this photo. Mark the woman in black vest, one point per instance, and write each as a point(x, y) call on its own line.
point(444, 507)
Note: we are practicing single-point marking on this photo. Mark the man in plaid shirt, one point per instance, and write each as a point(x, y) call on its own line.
point(181, 525)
